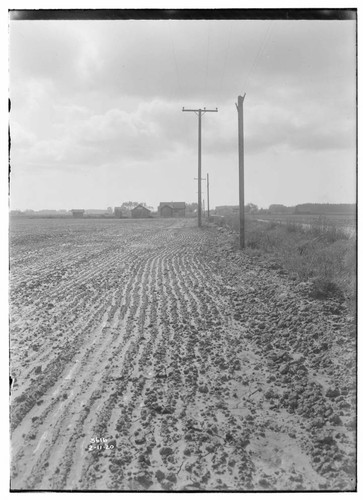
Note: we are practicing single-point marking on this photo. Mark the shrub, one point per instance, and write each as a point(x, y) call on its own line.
point(324, 289)
point(272, 225)
point(330, 231)
point(292, 226)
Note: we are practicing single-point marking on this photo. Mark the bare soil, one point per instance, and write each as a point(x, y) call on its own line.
point(153, 355)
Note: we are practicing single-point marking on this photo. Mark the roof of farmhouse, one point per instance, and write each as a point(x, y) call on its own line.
point(138, 208)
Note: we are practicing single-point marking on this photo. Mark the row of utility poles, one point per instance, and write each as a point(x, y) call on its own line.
point(200, 112)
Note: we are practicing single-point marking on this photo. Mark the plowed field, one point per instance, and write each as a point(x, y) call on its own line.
point(150, 355)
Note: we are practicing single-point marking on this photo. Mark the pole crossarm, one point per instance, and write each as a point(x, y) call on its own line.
point(202, 110)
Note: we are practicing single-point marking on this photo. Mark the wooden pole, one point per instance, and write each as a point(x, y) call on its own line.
point(199, 167)
point(200, 112)
point(241, 172)
point(208, 194)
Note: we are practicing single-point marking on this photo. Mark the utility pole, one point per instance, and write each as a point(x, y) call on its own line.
point(239, 107)
point(200, 113)
point(208, 194)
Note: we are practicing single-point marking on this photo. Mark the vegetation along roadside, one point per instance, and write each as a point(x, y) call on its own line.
point(321, 254)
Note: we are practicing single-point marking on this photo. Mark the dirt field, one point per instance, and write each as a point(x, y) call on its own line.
point(150, 355)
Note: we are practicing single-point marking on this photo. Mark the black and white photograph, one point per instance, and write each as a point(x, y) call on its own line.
point(182, 250)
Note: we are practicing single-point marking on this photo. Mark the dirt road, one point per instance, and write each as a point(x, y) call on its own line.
point(150, 355)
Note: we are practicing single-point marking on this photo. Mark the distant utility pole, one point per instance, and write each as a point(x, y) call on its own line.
point(200, 113)
point(205, 179)
point(239, 107)
point(202, 179)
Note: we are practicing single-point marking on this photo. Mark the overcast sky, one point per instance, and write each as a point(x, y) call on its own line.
point(96, 111)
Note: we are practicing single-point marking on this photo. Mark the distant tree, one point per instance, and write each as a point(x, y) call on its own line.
point(191, 208)
point(129, 205)
point(277, 209)
point(325, 208)
point(251, 208)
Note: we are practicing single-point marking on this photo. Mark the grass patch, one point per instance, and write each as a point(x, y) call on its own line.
point(319, 252)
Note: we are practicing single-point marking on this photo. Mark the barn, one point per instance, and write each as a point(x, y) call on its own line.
point(166, 210)
point(77, 213)
point(172, 209)
point(140, 212)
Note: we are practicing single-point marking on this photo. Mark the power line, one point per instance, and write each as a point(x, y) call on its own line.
point(261, 48)
point(258, 53)
point(175, 63)
point(226, 55)
point(207, 65)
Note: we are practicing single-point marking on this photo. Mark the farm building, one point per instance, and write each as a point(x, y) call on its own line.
point(77, 213)
point(140, 212)
point(96, 212)
point(172, 209)
point(118, 212)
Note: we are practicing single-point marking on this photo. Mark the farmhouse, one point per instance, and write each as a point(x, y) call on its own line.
point(172, 209)
point(140, 212)
point(77, 213)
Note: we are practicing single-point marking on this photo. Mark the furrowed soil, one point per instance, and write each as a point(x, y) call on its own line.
point(153, 355)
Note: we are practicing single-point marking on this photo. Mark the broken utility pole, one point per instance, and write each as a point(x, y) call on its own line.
point(239, 107)
point(200, 112)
